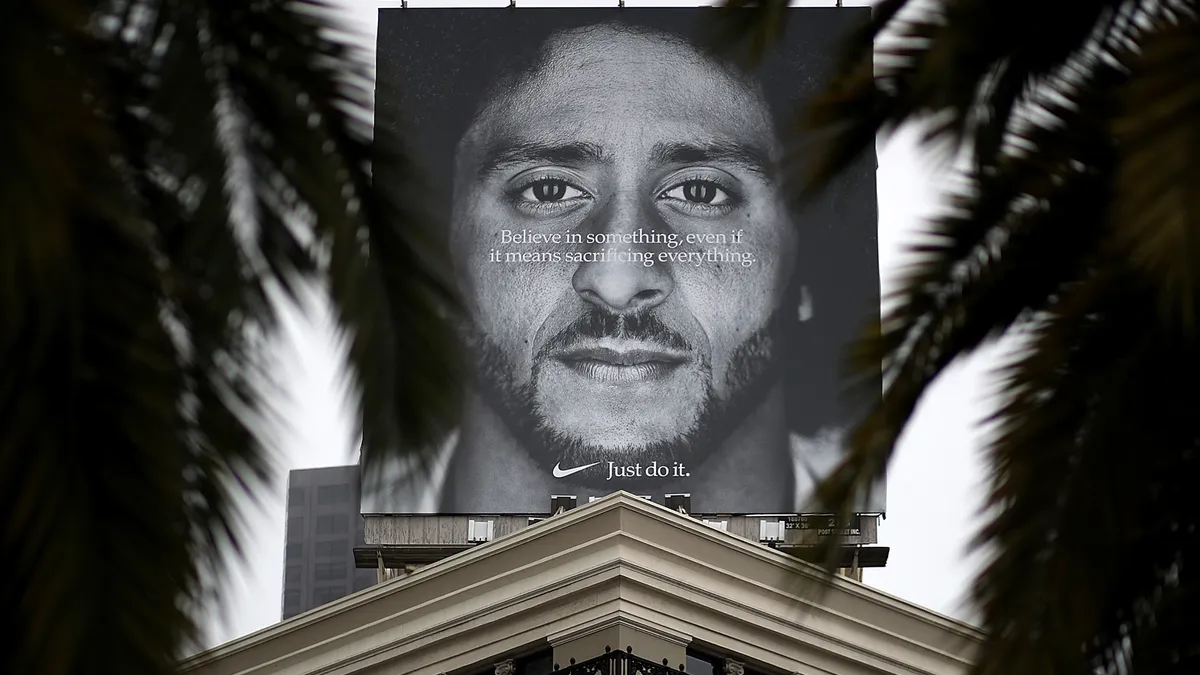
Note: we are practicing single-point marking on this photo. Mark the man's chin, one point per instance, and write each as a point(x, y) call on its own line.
point(595, 412)
point(618, 442)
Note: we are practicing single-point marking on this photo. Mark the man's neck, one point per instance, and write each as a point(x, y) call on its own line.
point(750, 471)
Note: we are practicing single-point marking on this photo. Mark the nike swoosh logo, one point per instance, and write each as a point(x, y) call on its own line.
point(563, 473)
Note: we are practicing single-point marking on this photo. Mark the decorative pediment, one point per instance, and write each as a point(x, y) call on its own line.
point(621, 570)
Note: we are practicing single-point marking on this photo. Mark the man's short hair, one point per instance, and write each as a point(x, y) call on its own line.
point(536, 57)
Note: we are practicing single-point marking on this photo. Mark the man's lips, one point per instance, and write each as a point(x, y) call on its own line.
point(612, 363)
point(631, 357)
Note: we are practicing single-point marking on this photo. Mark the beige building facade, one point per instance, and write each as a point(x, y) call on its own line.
point(614, 587)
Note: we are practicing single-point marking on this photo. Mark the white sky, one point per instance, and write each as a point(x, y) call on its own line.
point(934, 484)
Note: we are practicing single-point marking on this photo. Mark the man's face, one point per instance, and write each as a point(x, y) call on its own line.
point(592, 358)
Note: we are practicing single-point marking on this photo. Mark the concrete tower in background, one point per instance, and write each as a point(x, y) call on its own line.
point(323, 528)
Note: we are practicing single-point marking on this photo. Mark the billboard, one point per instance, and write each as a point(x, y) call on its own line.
point(649, 310)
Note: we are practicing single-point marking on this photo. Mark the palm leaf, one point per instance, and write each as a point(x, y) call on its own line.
point(1157, 206)
point(1074, 231)
point(171, 164)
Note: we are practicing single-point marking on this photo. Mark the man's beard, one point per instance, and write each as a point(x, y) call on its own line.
point(753, 371)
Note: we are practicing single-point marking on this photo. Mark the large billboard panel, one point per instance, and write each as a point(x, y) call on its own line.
point(649, 309)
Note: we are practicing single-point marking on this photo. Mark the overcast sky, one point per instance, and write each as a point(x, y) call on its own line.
point(934, 484)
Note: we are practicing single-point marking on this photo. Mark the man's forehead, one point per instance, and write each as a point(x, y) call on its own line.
point(549, 130)
point(646, 65)
point(499, 154)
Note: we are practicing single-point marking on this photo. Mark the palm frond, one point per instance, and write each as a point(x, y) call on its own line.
point(981, 268)
point(170, 164)
point(746, 29)
point(973, 284)
point(1074, 229)
point(306, 103)
point(1046, 479)
point(1157, 209)
point(966, 66)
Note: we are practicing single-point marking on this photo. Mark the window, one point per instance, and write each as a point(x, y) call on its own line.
point(336, 523)
point(330, 571)
point(362, 582)
point(770, 530)
point(292, 574)
point(295, 550)
point(295, 528)
point(326, 594)
point(702, 663)
point(332, 549)
point(479, 531)
point(295, 497)
point(333, 494)
point(540, 663)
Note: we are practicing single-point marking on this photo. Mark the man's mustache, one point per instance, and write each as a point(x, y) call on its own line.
point(597, 324)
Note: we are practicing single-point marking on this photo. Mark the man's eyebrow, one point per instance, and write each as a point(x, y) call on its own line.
point(748, 156)
point(499, 155)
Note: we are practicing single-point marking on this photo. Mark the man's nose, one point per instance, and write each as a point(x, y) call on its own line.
point(626, 286)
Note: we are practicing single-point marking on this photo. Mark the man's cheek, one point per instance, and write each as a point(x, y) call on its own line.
point(510, 313)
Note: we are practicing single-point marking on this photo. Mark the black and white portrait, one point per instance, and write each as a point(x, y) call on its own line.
point(648, 307)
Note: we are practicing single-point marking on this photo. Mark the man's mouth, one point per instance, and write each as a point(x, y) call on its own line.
point(619, 363)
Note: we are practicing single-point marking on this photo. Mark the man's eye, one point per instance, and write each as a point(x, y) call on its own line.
point(698, 192)
point(550, 190)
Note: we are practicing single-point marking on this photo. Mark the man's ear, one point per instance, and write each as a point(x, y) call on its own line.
point(804, 310)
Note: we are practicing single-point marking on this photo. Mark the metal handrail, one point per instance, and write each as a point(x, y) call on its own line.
point(617, 662)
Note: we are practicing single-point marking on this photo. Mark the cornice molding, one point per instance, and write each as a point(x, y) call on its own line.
point(618, 561)
point(619, 618)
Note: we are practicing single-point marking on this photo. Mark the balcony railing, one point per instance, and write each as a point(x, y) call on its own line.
point(618, 663)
